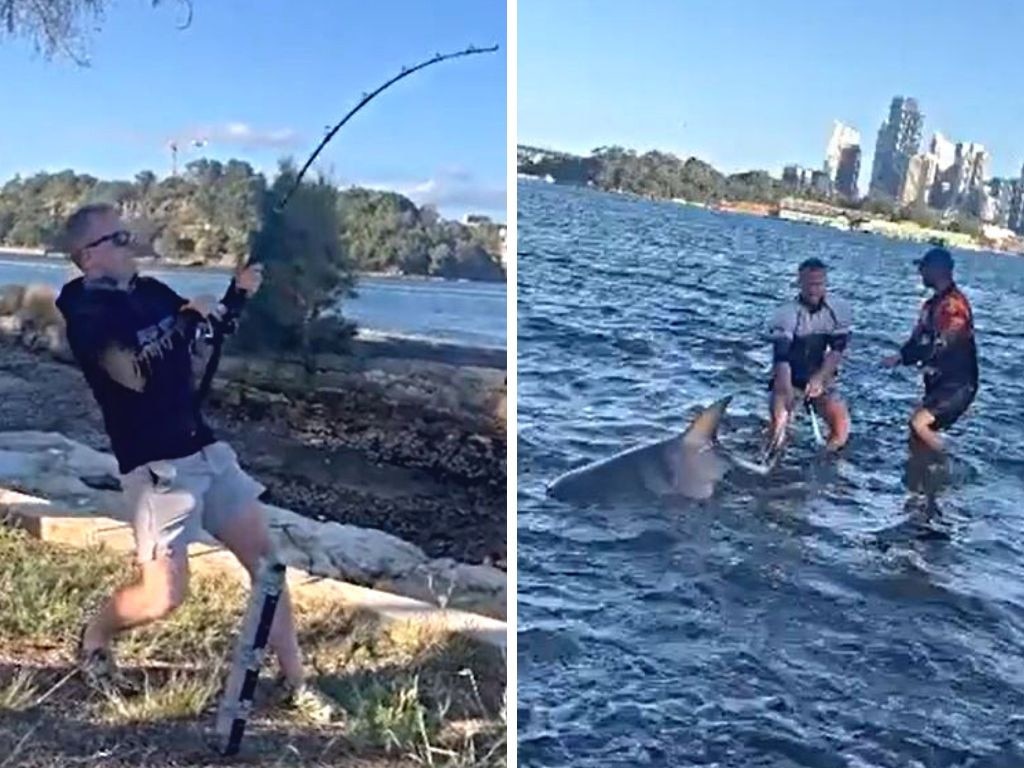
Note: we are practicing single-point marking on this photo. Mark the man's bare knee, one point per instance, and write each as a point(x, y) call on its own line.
point(920, 421)
point(165, 581)
point(247, 536)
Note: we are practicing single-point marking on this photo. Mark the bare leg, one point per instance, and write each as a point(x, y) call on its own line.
point(248, 538)
point(838, 417)
point(781, 408)
point(162, 588)
point(921, 431)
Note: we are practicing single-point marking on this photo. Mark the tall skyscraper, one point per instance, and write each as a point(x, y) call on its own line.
point(1000, 192)
point(969, 171)
point(848, 171)
point(842, 136)
point(942, 193)
point(899, 139)
point(1015, 218)
point(918, 180)
point(944, 150)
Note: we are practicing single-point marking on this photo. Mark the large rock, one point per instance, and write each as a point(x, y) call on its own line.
point(71, 476)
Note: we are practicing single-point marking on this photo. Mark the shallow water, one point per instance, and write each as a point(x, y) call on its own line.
point(828, 615)
point(460, 312)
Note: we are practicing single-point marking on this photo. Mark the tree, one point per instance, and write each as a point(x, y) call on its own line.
point(307, 271)
point(919, 213)
point(56, 26)
point(883, 206)
point(207, 214)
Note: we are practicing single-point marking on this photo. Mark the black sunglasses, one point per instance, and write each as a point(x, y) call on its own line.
point(120, 238)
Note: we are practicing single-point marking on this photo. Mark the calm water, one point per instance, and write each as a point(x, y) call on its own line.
point(460, 312)
point(829, 615)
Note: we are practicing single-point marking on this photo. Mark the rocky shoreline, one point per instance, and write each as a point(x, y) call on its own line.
point(364, 453)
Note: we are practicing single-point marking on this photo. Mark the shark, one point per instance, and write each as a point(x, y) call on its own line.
point(686, 465)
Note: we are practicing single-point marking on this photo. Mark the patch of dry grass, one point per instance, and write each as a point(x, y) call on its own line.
point(181, 695)
point(20, 691)
point(412, 693)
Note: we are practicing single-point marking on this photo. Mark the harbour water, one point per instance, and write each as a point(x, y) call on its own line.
point(461, 312)
point(836, 613)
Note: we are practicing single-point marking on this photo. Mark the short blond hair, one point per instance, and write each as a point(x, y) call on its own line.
point(77, 224)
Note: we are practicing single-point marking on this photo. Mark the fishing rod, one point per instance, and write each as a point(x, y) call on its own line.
point(366, 99)
point(235, 298)
point(268, 582)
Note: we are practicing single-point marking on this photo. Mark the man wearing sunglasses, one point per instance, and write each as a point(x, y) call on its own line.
point(132, 337)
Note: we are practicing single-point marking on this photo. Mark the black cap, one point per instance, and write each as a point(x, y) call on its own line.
point(936, 257)
point(811, 263)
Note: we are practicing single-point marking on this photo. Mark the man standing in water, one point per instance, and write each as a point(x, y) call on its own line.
point(942, 345)
point(131, 337)
point(809, 335)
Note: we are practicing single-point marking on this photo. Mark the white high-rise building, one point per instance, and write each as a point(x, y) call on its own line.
point(843, 136)
point(971, 168)
point(899, 139)
point(944, 150)
point(919, 179)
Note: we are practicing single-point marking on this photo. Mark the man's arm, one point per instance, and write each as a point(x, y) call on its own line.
point(99, 346)
point(916, 349)
point(952, 323)
point(838, 341)
point(780, 332)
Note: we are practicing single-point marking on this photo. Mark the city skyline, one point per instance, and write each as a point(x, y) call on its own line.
point(759, 89)
point(945, 174)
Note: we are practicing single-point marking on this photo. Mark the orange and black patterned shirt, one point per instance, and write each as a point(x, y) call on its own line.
point(943, 341)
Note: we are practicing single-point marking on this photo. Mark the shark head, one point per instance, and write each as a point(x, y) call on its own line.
point(692, 457)
point(703, 429)
point(683, 465)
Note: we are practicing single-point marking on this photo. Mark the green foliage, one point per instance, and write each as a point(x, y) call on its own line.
point(922, 215)
point(385, 232)
point(55, 27)
point(654, 174)
point(967, 224)
point(882, 206)
point(207, 216)
point(307, 268)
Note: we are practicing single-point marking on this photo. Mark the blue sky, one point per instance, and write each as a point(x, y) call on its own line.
point(263, 85)
point(747, 84)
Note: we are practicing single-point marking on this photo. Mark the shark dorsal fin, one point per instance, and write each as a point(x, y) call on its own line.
point(704, 427)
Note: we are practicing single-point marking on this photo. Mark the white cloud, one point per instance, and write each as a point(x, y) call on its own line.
point(243, 135)
point(449, 190)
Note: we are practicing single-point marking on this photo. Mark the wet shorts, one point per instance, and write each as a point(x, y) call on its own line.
point(831, 389)
point(948, 403)
point(169, 502)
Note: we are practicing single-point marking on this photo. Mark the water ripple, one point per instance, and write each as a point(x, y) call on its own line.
point(829, 616)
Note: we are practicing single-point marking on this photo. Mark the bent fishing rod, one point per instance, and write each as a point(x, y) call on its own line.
point(269, 580)
point(220, 327)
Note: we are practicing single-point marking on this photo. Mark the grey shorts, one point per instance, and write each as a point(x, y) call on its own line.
point(169, 502)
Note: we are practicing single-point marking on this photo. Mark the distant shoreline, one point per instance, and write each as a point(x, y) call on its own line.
point(41, 256)
point(899, 229)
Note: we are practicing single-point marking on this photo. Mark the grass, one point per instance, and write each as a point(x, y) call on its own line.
point(413, 695)
point(20, 692)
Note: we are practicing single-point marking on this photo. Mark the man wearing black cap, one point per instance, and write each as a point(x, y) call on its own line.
point(943, 346)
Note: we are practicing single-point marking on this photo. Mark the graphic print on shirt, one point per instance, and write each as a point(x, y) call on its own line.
point(801, 336)
point(133, 368)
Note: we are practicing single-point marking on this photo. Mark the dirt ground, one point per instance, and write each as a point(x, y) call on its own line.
point(349, 457)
